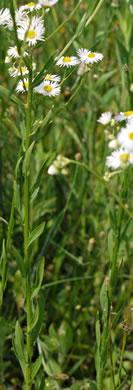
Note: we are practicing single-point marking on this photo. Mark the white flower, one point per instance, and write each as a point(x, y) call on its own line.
point(48, 3)
point(124, 115)
point(48, 88)
point(52, 77)
point(22, 85)
point(29, 7)
point(7, 59)
point(68, 61)
point(58, 166)
point(105, 118)
point(119, 158)
point(125, 137)
point(13, 52)
point(23, 70)
point(5, 17)
point(19, 17)
point(113, 144)
point(33, 30)
point(89, 57)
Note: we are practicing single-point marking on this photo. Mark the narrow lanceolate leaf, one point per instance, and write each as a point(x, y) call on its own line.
point(35, 367)
point(19, 347)
point(36, 330)
point(4, 94)
point(36, 233)
point(27, 158)
point(39, 278)
point(19, 260)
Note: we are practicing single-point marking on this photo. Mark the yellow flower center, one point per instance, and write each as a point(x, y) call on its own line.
point(31, 34)
point(23, 69)
point(16, 49)
point(48, 88)
point(130, 135)
point(125, 157)
point(66, 59)
point(128, 113)
point(25, 84)
point(30, 4)
point(91, 55)
point(48, 77)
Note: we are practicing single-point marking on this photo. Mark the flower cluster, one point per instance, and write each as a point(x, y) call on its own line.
point(59, 166)
point(122, 143)
point(30, 30)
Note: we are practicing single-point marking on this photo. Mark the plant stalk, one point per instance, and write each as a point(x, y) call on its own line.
point(26, 239)
point(112, 283)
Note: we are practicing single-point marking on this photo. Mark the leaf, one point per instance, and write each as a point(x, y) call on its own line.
point(36, 233)
point(19, 260)
point(98, 343)
point(4, 94)
point(104, 301)
point(35, 317)
point(35, 367)
point(27, 159)
point(16, 172)
point(35, 332)
point(17, 198)
point(110, 243)
point(66, 337)
point(36, 185)
point(39, 278)
point(19, 347)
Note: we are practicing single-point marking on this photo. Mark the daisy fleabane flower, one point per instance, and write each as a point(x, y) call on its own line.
point(89, 57)
point(124, 115)
point(52, 77)
point(125, 137)
point(33, 30)
point(5, 17)
point(22, 85)
point(29, 7)
point(48, 3)
point(48, 88)
point(105, 118)
point(13, 52)
point(119, 158)
point(68, 61)
point(113, 144)
point(23, 70)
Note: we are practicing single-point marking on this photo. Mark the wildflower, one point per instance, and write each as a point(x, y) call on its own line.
point(22, 85)
point(58, 166)
point(89, 57)
point(5, 17)
point(68, 61)
point(124, 115)
point(125, 137)
point(33, 30)
point(18, 72)
point(119, 158)
point(48, 88)
point(7, 59)
point(48, 3)
point(29, 7)
point(13, 52)
point(113, 144)
point(52, 77)
point(105, 118)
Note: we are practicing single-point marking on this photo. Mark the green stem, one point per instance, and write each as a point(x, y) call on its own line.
point(26, 239)
point(117, 240)
point(113, 278)
point(122, 355)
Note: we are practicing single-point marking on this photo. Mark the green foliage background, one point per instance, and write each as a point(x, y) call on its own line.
point(78, 209)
